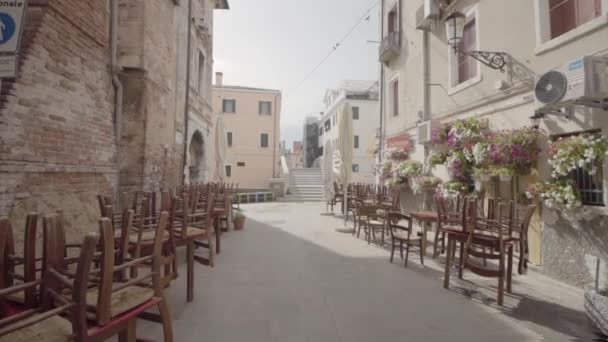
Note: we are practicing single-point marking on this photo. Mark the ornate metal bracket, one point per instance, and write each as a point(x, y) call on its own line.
point(492, 59)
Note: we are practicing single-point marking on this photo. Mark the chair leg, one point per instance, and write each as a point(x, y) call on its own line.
point(401, 248)
point(129, 333)
point(510, 269)
point(392, 250)
point(436, 244)
point(461, 261)
point(407, 253)
point(448, 264)
point(165, 317)
point(421, 253)
point(190, 271)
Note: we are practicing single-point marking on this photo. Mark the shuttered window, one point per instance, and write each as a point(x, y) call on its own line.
point(467, 66)
point(566, 15)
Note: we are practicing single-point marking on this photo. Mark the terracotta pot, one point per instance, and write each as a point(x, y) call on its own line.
point(239, 223)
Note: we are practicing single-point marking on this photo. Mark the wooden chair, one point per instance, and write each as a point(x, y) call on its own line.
point(191, 228)
point(454, 225)
point(402, 235)
point(372, 220)
point(28, 262)
point(112, 302)
point(491, 241)
point(60, 316)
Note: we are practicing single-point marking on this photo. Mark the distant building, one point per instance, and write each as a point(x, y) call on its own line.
point(296, 156)
point(363, 99)
point(252, 118)
point(311, 149)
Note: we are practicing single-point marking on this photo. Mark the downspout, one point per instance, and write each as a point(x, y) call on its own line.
point(187, 101)
point(118, 88)
point(381, 95)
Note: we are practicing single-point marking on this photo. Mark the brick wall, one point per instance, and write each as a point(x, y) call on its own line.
point(57, 146)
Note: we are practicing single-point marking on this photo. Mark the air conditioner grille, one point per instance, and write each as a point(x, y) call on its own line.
point(551, 87)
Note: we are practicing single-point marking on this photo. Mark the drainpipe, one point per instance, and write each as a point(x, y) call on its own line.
point(426, 90)
point(118, 88)
point(381, 92)
point(187, 101)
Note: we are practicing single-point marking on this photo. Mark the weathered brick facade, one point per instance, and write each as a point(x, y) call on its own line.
point(57, 147)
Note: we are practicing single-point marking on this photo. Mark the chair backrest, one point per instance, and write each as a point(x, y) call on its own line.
point(58, 294)
point(394, 219)
point(29, 260)
point(108, 266)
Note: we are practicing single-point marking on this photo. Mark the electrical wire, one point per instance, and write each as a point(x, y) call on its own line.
point(334, 48)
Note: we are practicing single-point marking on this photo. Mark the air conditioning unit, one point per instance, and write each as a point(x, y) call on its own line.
point(583, 81)
point(425, 131)
point(427, 14)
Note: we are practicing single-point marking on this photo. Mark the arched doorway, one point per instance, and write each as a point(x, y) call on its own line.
point(197, 157)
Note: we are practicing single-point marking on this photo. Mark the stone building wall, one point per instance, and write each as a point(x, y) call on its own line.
point(57, 146)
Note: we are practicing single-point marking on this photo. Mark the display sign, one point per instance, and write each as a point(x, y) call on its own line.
point(12, 14)
point(8, 66)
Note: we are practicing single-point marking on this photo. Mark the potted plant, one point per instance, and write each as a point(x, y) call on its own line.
point(424, 183)
point(505, 173)
point(238, 219)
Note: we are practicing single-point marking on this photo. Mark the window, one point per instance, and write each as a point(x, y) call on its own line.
point(265, 108)
point(229, 106)
point(394, 97)
point(201, 72)
point(321, 131)
point(392, 19)
point(264, 140)
point(590, 186)
point(355, 113)
point(240, 164)
point(229, 139)
point(228, 171)
point(327, 125)
point(566, 15)
point(356, 141)
point(467, 66)
point(355, 168)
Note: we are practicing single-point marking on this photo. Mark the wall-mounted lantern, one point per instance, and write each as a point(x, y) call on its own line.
point(454, 24)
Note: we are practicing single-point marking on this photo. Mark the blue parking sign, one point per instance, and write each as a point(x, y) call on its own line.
point(7, 27)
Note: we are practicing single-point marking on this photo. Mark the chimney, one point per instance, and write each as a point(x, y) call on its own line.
point(219, 79)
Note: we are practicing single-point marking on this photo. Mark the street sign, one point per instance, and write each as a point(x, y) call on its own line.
point(8, 66)
point(12, 13)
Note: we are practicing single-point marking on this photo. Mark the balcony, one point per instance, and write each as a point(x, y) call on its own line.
point(390, 46)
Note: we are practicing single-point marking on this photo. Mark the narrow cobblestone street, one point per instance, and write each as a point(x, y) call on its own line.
point(289, 276)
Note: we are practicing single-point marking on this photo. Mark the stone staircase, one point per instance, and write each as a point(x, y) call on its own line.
point(305, 185)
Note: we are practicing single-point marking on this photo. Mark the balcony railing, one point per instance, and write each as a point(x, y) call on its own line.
point(390, 46)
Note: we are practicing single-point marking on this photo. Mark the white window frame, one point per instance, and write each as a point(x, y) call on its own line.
point(260, 106)
point(389, 98)
point(544, 42)
point(473, 12)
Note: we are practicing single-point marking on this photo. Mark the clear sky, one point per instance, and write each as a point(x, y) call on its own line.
point(276, 43)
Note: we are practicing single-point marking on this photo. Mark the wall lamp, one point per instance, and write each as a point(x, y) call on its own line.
point(454, 24)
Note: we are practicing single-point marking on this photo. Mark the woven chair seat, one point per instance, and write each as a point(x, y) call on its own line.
point(53, 329)
point(123, 300)
point(147, 236)
point(193, 232)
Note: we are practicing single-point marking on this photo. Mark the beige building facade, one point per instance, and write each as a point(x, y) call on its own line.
point(252, 120)
point(424, 79)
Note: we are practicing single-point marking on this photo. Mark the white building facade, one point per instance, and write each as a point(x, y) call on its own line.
point(362, 96)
